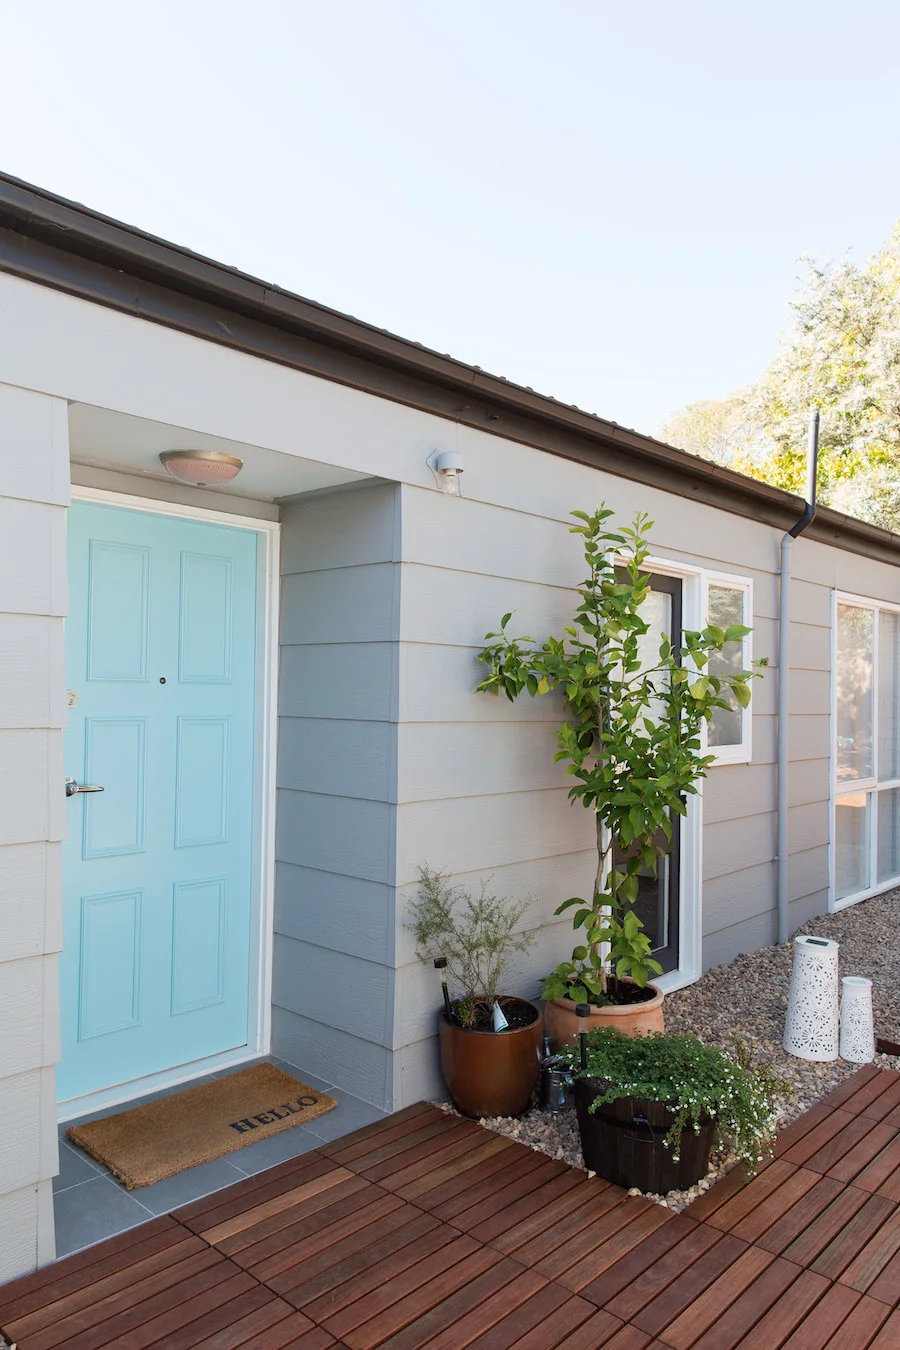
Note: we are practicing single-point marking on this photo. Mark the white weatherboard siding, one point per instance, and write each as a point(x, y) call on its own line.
point(34, 486)
point(333, 989)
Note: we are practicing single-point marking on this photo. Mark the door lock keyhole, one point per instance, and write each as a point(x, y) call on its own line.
point(162, 679)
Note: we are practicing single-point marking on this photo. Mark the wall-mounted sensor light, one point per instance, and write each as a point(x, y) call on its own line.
point(202, 468)
point(447, 465)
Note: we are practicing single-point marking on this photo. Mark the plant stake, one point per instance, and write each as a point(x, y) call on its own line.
point(583, 1010)
point(440, 964)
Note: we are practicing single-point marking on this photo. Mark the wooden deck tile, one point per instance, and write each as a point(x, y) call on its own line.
point(882, 1165)
point(706, 1310)
point(556, 1329)
point(489, 1218)
point(322, 1287)
point(795, 1222)
point(874, 1142)
point(867, 1090)
point(570, 1257)
point(357, 1221)
point(657, 1277)
point(884, 1104)
point(182, 1326)
point(761, 1187)
point(869, 1260)
point(860, 1325)
point(888, 1337)
point(886, 1286)
point(421, 1157)
point(410, 1118)
point(568, 1217)
point(613, 1245)
point(824, 1319)
point(774, 1207)
point(678, 1296)
point(247, 1194)
point(718, 1195)
point(855, 1235)
point(802, 1126)
point(815, 1144)
point(786, 1314)
point(624, 1271)
point(850, 1087)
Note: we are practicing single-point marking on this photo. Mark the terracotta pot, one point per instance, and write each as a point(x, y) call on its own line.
point(491, 1073)
point(633, 1019)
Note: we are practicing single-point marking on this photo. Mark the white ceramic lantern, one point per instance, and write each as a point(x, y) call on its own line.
point(813, 1016)
point(857, 1025)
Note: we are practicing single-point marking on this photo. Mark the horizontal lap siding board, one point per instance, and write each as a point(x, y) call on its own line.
point(333, 986)
point(34, 492)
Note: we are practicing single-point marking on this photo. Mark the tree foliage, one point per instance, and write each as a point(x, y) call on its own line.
point(842, 356)
point(632, 738)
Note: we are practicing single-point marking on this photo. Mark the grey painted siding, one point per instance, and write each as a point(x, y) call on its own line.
point(333, 976)
point(34, 491)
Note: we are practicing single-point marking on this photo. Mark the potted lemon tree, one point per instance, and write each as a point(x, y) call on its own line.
point(631, 738)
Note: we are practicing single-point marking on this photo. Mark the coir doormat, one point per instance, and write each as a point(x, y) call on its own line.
point(157, 1140)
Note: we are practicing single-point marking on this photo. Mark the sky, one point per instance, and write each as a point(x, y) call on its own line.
point(605, 202)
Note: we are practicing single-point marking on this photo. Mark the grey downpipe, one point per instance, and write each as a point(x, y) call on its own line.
point(784, 675)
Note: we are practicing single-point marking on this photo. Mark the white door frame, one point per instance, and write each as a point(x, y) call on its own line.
point(259, 1028)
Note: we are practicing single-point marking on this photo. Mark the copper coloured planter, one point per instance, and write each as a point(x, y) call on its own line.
point(491, 1073)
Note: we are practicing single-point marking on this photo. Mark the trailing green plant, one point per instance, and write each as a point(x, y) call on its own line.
point(695, 1081)
point(474, 932)
point(631, 738)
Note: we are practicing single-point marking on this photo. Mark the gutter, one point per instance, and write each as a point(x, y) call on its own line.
point(63, 245)
point(784, 677)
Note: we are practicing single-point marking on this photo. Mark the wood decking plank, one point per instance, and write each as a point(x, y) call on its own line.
point(418, 1162)
point(75, 1326)
point(664, 1272)
point(882, 1166)
point(774, 1207)
point(256, 1329)
point(626, 1338)
point(459, 1260)
point(202, 1325)
point(858, 1329)
point(526, 1184)
point(870, 1260)
point(559, 1182)
point(87, 1267)
point(799, 1128)
point(536, 1310)
point(556, 1329)
point(321, 1295)
point(328, 1206)
point(883, 1105)
point(812, 1145)
point(849, 1151)
point(786, 1314)
point(557, 1222)
point(824, 1319)
point(856, 1235)
point(727, 1331)
point(757, 1190)
point(388, 1124)
point(123, 1275)
point(887, 1285)
point(249, 1218)
point(779, 1235)
point(888, 1337)
point(717, 1195)
point(491, 1312)
point(135, 1323)
point(672, 1301)
point(200, 1308)
point(566, 1256)
point(412, 1321)
point(349, 1232)
point(867, 1091)
point(389, 1143)
point(850, 1086)
point(479, 1181)
point(243, 1195)
point(706, 1309)
point(454, 1170)
point(617, 1244)
point(633, 1264)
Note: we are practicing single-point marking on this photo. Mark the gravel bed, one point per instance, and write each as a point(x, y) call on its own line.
point(750, 996)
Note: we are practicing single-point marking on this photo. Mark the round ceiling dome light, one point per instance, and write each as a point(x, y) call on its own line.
point(201, 468)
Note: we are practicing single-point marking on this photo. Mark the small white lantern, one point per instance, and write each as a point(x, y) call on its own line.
point(857, 1024)
point(813, 1016)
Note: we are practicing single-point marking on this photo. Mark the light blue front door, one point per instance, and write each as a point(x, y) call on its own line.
point(157, 868)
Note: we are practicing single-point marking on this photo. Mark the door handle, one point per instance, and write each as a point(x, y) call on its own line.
point(72, 787)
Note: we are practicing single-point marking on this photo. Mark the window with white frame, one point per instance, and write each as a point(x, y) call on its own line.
point(728, 603)
point(866, 749)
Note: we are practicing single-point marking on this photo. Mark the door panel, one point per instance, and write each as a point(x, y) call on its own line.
point(157, 869)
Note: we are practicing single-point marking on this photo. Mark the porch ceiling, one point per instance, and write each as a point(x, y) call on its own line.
point(106, 439)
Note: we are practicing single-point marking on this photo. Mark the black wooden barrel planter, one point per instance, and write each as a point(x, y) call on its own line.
point(622, 1141)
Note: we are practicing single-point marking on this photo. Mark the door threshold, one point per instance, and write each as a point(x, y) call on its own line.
point(75, 1107)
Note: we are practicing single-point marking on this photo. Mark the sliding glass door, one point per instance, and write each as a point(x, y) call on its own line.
point(866, 750)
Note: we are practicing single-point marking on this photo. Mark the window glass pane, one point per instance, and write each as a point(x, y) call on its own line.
point(853, 681)
point(889, 834)
point(726, 607)
point(851, 845)
point(888, 695)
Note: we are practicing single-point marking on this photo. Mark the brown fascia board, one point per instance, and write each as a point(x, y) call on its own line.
point(58, 243)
